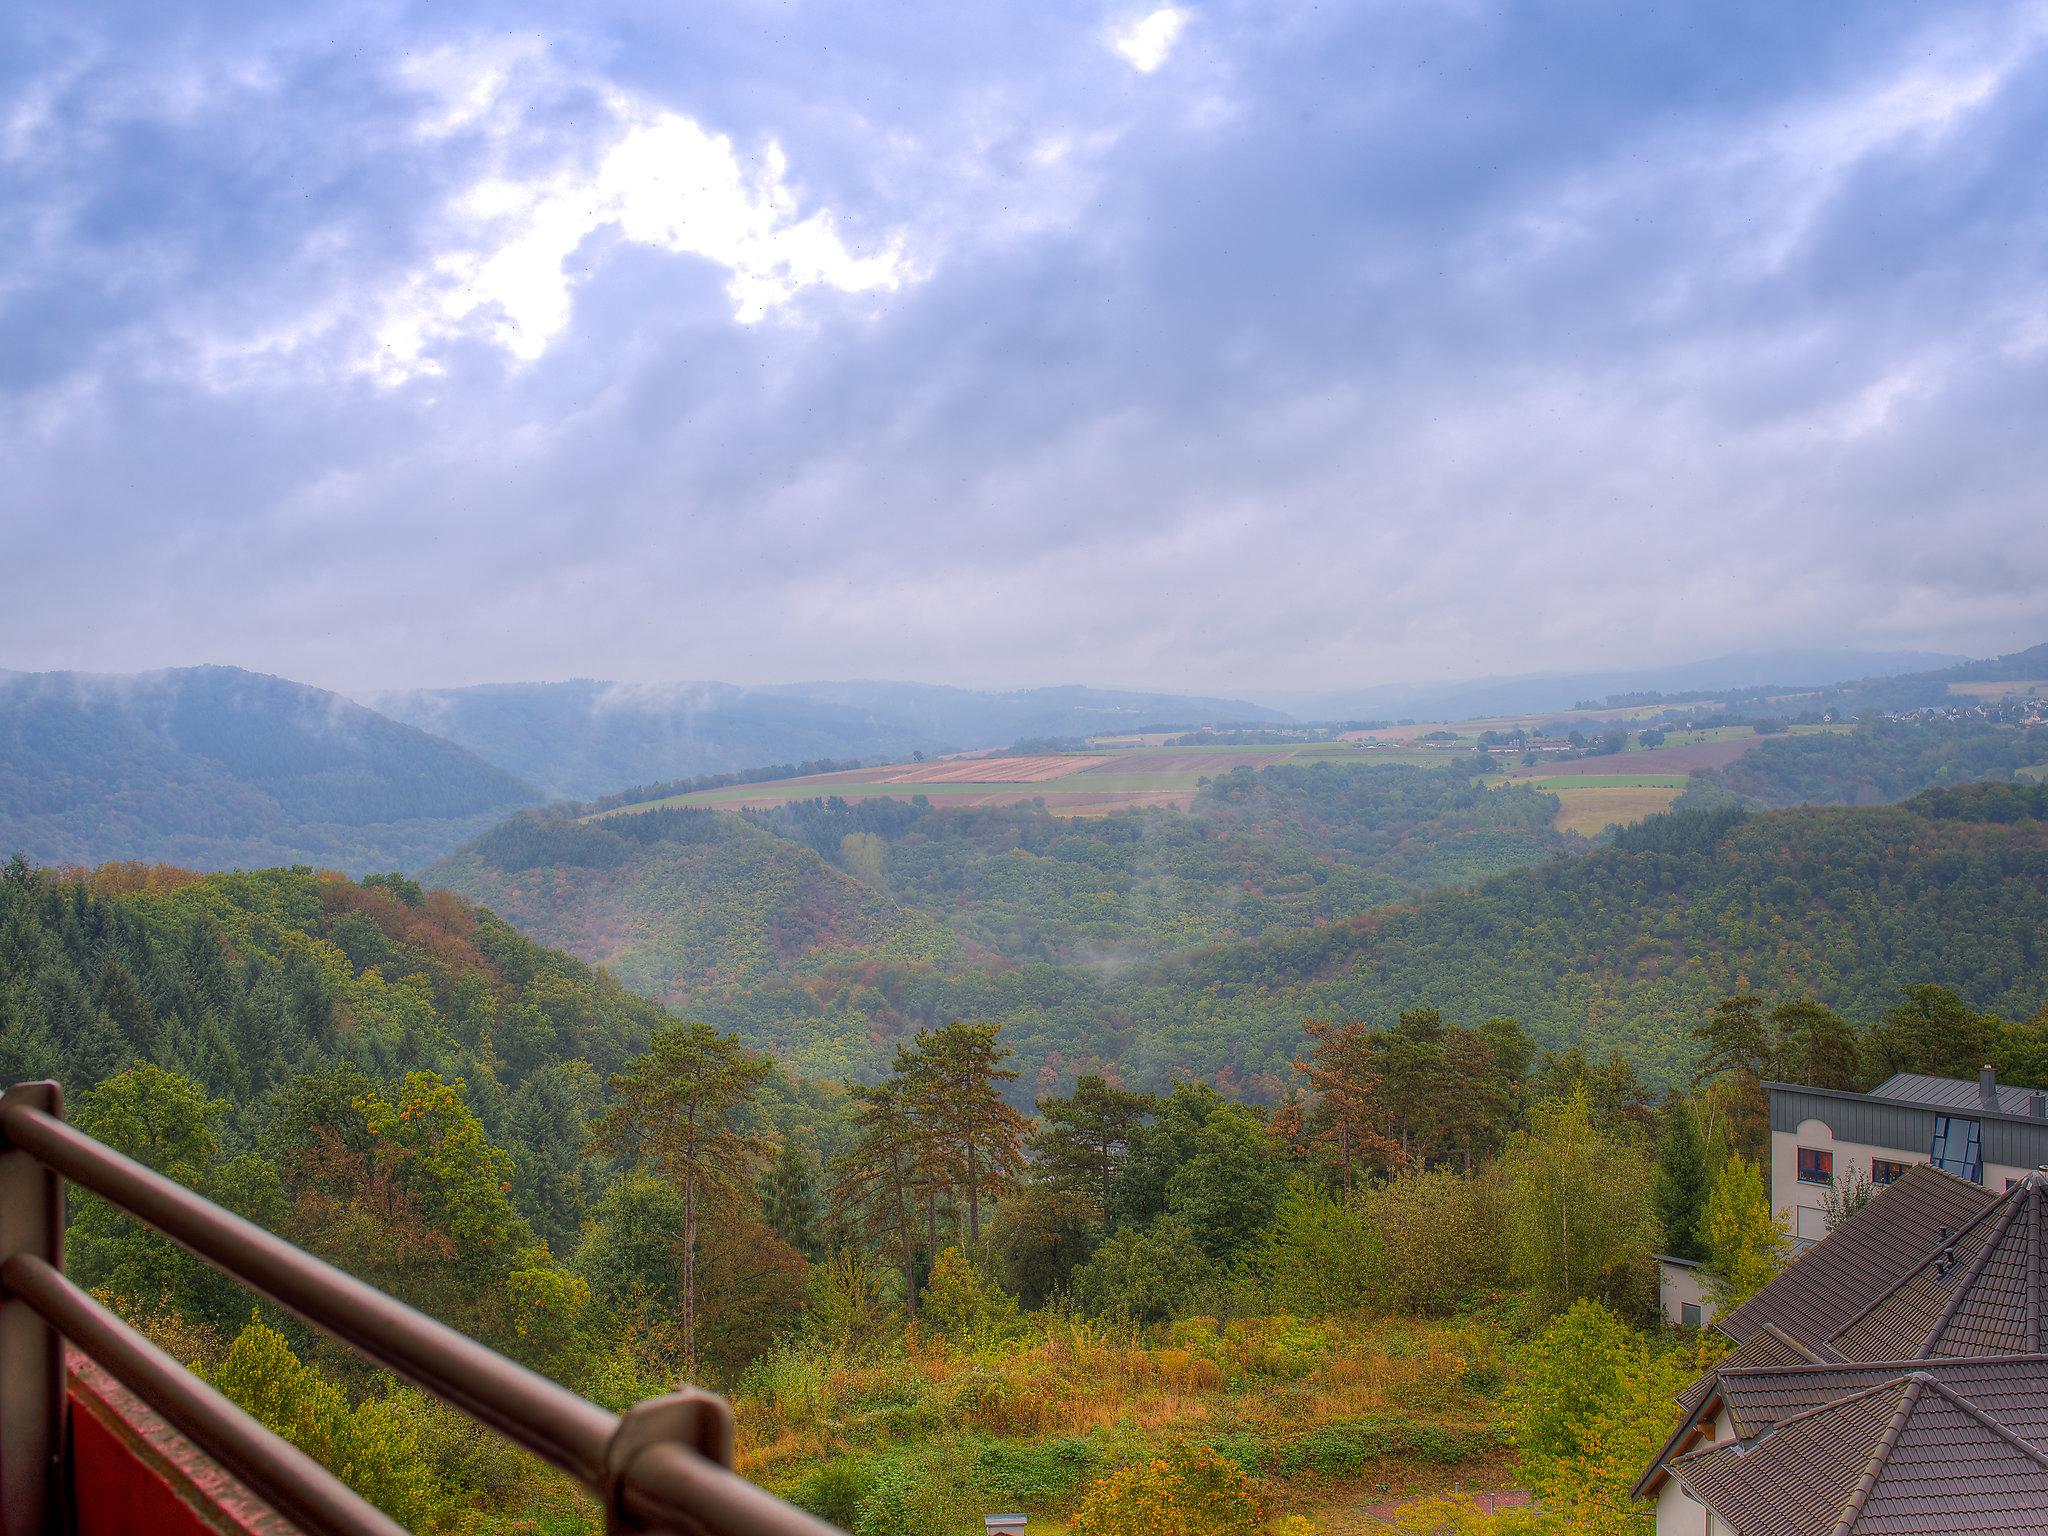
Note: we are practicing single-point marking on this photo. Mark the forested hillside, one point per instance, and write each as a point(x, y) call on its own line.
point(680, 904)
point(214, 767)
point(1876, 764)
point(688, 904)
point(1620, 950)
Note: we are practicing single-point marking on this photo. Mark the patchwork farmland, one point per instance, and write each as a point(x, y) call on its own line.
point(1126, 772)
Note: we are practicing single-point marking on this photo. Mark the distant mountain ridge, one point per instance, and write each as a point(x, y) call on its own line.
point(585, 737)
point(215, 767)
point(1478, 698)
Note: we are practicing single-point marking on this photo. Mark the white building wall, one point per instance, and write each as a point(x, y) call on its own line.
point(1678, 1513)
point(1678, 1284)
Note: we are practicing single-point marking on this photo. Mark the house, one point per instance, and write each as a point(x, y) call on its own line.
point(1981, 1131)
point(1894, 1378)
point(1682, 1292)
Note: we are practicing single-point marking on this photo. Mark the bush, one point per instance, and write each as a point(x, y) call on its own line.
point(837, 1490)
point(1146, 1276)
point(1194, 1493)
point(1437, 1236)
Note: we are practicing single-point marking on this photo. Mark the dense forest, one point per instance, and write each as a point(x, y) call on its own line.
point(1615, 951)
point(1877, 763)
point(214, 767)
point(1258, 851)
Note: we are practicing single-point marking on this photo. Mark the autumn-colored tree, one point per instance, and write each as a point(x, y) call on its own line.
point(1194, 1492)
point(972, 1137)
point(1746, 1243)
point(1344, 1119)
point(678, 1114)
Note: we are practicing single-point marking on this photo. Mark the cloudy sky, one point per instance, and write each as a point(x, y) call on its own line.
point(1207, 345)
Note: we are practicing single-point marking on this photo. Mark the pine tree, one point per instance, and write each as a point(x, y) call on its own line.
point(875, 1190)
point(1083, 1139)
point(677, 1113)
point(974, 1137)
point(1682, 1182)
point(1346, 1117)
point(789, 1201)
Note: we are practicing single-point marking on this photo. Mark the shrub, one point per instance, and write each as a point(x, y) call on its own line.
point(1194, 1493)
point(1438, 1239)
point(837, 1490)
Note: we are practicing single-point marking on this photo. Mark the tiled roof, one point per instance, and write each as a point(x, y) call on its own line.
point(2013, 1389)
point(1768, 1346)
point(1908, 1456)
point(1862, 1260)
point(1951, 1093)
point(1978, 1294)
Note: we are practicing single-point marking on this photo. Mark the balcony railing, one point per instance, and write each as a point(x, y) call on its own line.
point(664, 1465)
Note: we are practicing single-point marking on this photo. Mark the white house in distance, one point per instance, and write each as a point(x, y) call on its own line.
point(1991, 1135)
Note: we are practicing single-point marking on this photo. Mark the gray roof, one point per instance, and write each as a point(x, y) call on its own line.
point(1952, 1093)
point(1908, 1456)
point(1864, 1259)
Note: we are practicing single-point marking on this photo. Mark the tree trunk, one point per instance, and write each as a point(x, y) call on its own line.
point(690, 1277)
point(973, 1198)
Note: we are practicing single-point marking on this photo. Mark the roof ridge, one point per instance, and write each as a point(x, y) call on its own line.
point(1820, 1367)
point(1875, 1389)
point(1921, 1264)
point(1881, 1454)
point(2018, 1441)
point(1978, 1265)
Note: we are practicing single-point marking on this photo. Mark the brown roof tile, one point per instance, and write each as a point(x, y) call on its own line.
point(1903, 1458)
point(1862, 1260)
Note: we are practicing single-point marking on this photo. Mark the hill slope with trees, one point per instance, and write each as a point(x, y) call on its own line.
point(1618, 951)
point(214, 767)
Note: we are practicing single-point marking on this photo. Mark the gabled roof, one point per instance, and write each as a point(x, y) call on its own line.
point(1862, 1260)
point(1766, 1347)
point(2013, 1389)
point(1903, 1458)
point(1979, 1293)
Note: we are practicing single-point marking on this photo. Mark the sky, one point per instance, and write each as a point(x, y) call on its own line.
point(1215, 346)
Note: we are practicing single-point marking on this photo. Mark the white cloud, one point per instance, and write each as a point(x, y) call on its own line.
point(657, 178)
point(1146, 42)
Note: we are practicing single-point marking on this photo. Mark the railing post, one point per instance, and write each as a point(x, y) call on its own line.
point(31, 1353)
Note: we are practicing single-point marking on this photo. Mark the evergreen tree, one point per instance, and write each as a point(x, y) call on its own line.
point(951, 1079)
point(678, 1113)
point(1816, 1046)
point(1082, 1140)
point(875, 1190)
point(1682, 1182)
point(789, 1199)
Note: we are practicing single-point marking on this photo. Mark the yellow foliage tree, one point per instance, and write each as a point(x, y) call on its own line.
point(1193, 1493)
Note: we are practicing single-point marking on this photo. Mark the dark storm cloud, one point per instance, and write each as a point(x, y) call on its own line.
point(426, 345)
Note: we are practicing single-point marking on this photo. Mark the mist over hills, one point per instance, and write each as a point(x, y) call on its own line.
point(215, 767)
point(1479, 697)
point(584, 737)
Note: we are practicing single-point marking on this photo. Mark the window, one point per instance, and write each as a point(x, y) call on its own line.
point(1956, 1148)
point(1884, 1169)
point(1689, 1313)
point(1816, 1166)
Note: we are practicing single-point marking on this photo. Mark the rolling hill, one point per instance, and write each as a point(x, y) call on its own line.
point(585, 738)
point(214, 767)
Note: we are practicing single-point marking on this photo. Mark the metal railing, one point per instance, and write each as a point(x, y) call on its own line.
point(664, 1465)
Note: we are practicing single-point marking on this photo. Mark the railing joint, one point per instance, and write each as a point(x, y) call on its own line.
point(696, 1420)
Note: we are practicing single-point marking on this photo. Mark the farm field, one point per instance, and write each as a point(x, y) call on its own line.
point(1072, 783)
point(1991, 692)
point(1595, 791)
